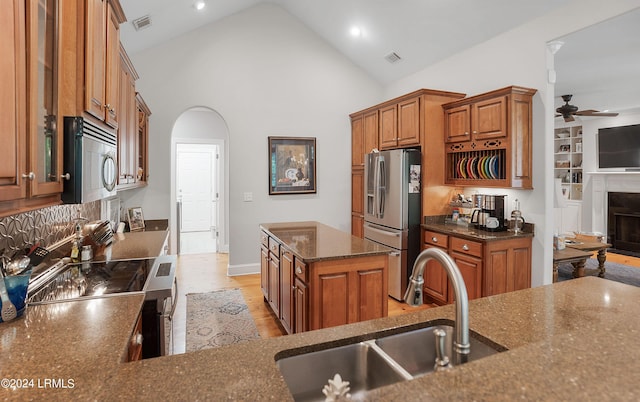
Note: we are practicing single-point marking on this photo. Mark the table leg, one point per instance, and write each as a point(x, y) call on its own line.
point(578, 268)
point(602, 257)
point(555, 272)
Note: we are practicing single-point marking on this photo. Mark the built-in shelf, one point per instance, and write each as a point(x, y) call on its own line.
point(567, 159)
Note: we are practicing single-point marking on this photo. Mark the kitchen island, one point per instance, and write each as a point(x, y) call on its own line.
point(314, 276)
point(573, 340)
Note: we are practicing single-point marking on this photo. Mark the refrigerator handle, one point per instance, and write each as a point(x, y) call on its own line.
point(376, 185)
point(381, 187)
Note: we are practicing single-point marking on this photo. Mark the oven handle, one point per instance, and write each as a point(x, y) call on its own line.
point(174, 302)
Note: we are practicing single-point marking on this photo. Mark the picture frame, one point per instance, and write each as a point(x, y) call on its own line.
point(292, 165)
point(564, 148)
point(136, 219)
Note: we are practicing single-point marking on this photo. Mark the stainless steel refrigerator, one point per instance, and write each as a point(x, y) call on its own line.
point(392, 210)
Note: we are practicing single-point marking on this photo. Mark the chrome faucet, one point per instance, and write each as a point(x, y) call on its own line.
point(413, 297)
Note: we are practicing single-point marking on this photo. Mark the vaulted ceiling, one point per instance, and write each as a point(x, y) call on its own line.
point(597, 65)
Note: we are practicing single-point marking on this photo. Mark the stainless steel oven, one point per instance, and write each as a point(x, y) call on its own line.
point(156, 277)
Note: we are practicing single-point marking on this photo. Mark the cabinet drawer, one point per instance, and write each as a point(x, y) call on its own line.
point(264, 239)
point(301, 270)
point(436, 239)
point(466, 246)
point(274, 247)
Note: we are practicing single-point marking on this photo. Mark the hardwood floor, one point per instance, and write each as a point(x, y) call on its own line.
point(199, 273)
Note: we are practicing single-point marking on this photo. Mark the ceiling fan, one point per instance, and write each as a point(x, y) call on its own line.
point(567, 111)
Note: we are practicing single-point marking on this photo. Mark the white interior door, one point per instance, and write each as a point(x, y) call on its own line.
point(197, 196)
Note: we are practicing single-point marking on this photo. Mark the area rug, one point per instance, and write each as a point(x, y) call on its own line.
point(615, 272)
point(218, 318)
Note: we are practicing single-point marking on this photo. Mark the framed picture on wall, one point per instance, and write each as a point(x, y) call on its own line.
point(292, 165)
point(136, 220)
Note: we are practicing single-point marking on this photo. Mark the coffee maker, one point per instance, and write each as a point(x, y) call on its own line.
point(494, 208)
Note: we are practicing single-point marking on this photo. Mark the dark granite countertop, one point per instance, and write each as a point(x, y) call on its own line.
point(438, 224)
point(314, 241)
point(135, 245)
point(573, 340)
point(77, 343)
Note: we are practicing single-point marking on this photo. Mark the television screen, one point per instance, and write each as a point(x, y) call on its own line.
point(619, 147)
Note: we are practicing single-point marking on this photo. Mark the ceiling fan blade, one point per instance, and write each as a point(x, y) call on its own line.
point(568, 118)
point(591, 112)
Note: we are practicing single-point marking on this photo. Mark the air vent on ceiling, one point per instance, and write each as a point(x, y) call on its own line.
point(142, 22)
point(393, 57)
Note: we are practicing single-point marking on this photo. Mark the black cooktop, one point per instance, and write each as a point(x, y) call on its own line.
point(91, 279)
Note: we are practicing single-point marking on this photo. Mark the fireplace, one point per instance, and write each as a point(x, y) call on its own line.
point(623, 221)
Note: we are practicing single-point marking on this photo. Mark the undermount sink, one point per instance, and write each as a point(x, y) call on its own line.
point(414, 352)
point(371, 364)
point(359, 363)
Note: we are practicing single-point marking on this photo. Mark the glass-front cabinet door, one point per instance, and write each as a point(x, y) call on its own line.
point(44, 122)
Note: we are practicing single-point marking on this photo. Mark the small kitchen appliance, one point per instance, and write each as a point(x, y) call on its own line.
point(89, 161)
point(494, 208)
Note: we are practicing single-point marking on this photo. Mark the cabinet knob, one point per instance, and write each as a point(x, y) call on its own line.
point(466, 133)
point(298, 270)
point(65, 176)
point(434, 239)
point(475, 132)
point(29, 175)
point(465, 247)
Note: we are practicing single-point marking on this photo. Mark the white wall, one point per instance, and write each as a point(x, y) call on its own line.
point(266, 74)
point(519, 57)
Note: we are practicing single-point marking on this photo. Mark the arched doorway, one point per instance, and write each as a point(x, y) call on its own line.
point(199, 182)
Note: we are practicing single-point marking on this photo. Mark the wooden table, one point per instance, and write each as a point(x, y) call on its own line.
point(601, 248)
point(576, 257)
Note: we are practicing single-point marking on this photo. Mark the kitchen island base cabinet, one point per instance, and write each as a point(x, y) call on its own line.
point(347, 291)
point(310, 292)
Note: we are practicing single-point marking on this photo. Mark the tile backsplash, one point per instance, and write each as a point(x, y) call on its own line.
point(46, 226)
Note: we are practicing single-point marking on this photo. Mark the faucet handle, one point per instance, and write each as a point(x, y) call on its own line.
point(442, 361)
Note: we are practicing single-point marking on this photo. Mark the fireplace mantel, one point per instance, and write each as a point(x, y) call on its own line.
point(603, 183)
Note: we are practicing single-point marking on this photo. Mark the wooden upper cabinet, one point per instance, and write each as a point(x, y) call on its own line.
point(458, 124)
point(489, 118)
point(388, 135)
point(400, 124)
point(95, 57)
point(112, 69)
point(409, 122)
point(488, 139)
point(12, 100)
point(46, 32)
point(127, 130)
point(357, 141)
point(370, 131)
point(143, 113)
point(102, 39)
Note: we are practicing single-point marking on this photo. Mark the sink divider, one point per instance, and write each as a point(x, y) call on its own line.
point(389, 360)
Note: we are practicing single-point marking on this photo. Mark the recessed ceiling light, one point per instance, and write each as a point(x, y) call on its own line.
point(355, 31)
point(199, 5)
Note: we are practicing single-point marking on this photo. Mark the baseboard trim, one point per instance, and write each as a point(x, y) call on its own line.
point(243, 269)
